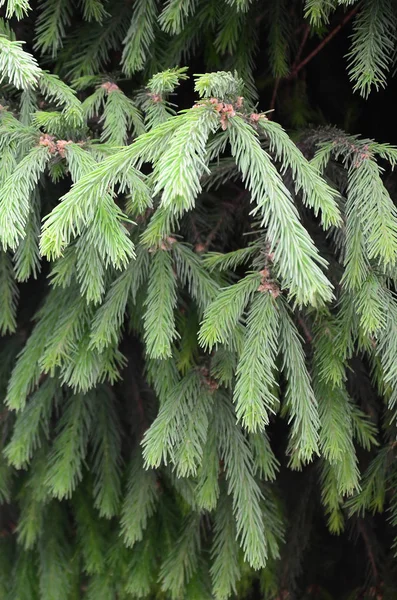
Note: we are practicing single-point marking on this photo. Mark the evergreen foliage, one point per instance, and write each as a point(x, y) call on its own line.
point(197, 307)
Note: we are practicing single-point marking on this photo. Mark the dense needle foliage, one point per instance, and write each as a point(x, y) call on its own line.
point(198, 304)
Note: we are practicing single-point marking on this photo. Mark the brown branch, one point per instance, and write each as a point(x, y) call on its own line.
point(323, 43)
point(305, 329)
point(144, 425)
point(301, 47)
point(274, 95)
point(306, 32)
point(204, 247)
point(5, 420)
point(196, 234)
point(298, 66)
point(367, 543)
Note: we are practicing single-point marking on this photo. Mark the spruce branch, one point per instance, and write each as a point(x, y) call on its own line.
point(16, 192)
point(139, 36)
point(373, 46)
point(246, 494)
point(254, 393)
point(300, 270)
point(142, 494)
point(225, 570)
point(30, 423)
point(300, 399)
point(65, 463)
point(18, 66)
point(224, 313)
point(159, 324)
point(107, 464)
point(19, 8)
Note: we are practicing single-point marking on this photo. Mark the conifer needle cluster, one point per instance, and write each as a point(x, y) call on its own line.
point(190, 299)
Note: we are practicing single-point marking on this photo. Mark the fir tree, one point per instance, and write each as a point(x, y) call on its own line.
point(197, 308)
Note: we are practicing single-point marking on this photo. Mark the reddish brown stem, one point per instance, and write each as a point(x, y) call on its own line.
point(306, 32)
point(142, 417)
point(274, 95)
point(324, 42)
point(367, 543)
point(212, 235)
point(195, 230)
point(297, 66)
point(306, 331)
